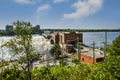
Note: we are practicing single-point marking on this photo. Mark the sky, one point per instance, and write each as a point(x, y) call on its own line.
point(62, 14)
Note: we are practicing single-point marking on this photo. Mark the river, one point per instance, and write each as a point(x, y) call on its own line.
point(99, 38)
point(41, 44)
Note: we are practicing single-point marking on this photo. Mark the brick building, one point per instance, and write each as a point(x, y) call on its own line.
point(87, 57)
point(68, 40)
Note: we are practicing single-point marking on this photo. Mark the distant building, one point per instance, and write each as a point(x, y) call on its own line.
point(87, 57)
point(9, 29)
point(37, 28)
point(68, 40)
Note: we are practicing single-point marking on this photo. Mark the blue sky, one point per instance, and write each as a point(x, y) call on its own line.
point(73, 14)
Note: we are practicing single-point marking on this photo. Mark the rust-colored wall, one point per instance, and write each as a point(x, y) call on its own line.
point(66, 38)
point(87, 59)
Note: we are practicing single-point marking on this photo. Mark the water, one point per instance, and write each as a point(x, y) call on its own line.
point(99, 38)
point(41, 44)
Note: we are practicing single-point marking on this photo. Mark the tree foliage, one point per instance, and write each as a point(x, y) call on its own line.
point(55, 50)
point(62, 62)
point(21, 43)
point(52, 41)
point(76, 61)
point(79, 72)
point(114, 49)
point(109, 70)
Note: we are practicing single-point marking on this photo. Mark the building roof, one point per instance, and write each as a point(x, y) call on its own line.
point(66, 32)
point(98, 53)
point(69, 45)
point(78, 33)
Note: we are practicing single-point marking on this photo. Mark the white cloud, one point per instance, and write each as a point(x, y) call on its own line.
point(59, 1)
point(43, 7)
point(84, 8)
point(26, 1)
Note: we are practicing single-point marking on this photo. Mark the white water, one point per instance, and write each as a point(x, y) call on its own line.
point(40, 44)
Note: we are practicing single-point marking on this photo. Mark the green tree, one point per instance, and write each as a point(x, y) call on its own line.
point(79, 72)
point(12, 73)
point(76, 61)
point(52, 41)
point(109, 70)
point(62, 62)
point(21, 44)
point(114, 49)
point(55, 50)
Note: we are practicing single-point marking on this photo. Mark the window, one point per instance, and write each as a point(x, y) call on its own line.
point(82, 59)
point(99, 59)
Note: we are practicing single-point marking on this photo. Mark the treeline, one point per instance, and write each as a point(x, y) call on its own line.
point(4, 33)
point(82, 30)
point(12, 33)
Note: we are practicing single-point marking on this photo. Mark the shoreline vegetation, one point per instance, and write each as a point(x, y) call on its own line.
point(83, 30)
point(11, 33)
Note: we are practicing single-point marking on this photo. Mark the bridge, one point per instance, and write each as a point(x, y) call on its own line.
point(82, 30)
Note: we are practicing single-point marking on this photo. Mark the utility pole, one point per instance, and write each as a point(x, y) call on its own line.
point(105, 45)
point(79, 50)
point(63, 56)
point(93, 51)
point(54, 59)
point(47, 58)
